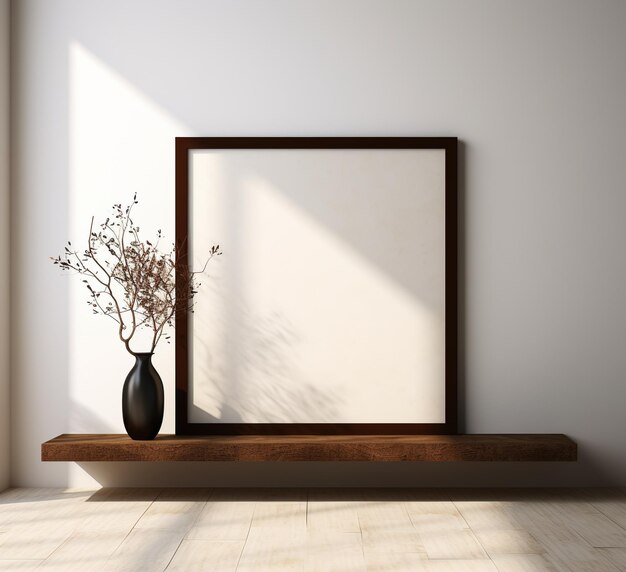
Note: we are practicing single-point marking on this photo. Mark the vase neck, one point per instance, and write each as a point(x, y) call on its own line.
point(143, 357)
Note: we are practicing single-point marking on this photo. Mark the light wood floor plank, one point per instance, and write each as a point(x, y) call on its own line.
point(382, 510)
point(331, 510)
point(616, 555)
point(37, 539)
point(393, 542)
point(460, 566)
point(333, 551)
point(611, 503)
point(457, 544)
point(84, 552)
point(38, 521)
point(575, 556)
point(279, 549)
point(437, 516)
point(523, 563)
point(116, 510)
point(144, 550)
point(203, 555)
point(347, 531)
point(226, 516)
point(174, 510)
point(534, 516)
point(571, 507)
point(508, 542)
point(389, 562)
point(482, 515)
point(598, 530)
point(275, 508)
point(563, 546)
point(25, 508)
point(19, 565)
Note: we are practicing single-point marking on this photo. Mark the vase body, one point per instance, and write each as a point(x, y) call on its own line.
point(142, 399)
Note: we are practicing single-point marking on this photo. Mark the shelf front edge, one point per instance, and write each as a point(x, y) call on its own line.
point(372, 448)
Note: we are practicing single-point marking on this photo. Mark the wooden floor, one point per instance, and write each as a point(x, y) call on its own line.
point(313, 530)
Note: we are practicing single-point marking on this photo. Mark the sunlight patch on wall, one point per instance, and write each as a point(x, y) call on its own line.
point(121, 142)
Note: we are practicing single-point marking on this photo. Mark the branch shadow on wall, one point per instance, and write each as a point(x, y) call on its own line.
point(262, 364)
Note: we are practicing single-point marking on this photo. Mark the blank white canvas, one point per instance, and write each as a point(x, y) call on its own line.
point(327, 305)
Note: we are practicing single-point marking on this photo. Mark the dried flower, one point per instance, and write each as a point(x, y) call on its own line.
point(131, 281)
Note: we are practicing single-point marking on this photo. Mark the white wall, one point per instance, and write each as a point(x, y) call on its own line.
point(534, 90)
point(4, 244)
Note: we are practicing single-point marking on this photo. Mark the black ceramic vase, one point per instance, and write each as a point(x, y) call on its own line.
point(142, 399)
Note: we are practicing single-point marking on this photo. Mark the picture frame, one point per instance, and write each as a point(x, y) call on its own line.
point(345, 164)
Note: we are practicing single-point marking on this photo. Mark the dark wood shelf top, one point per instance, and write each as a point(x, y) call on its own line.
point(518, 447)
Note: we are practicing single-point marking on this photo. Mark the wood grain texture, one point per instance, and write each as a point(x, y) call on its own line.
point(523, 563)
point(270, 533)
point(201, 555)
point(227, 516)
point(453, 544)
point(174, 510)
point(144, 550)
point(94, 447)
point(328, 510)
point(84, 552)
point(22, 565)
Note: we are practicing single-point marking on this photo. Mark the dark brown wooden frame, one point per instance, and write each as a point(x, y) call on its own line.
point(449, 144)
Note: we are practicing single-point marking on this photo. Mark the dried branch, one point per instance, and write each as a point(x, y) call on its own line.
point(131, 281)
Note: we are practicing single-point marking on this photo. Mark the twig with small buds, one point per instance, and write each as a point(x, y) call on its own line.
point(131, 281)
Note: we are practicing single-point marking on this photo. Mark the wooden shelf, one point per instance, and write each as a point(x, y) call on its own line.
point(83, 448)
